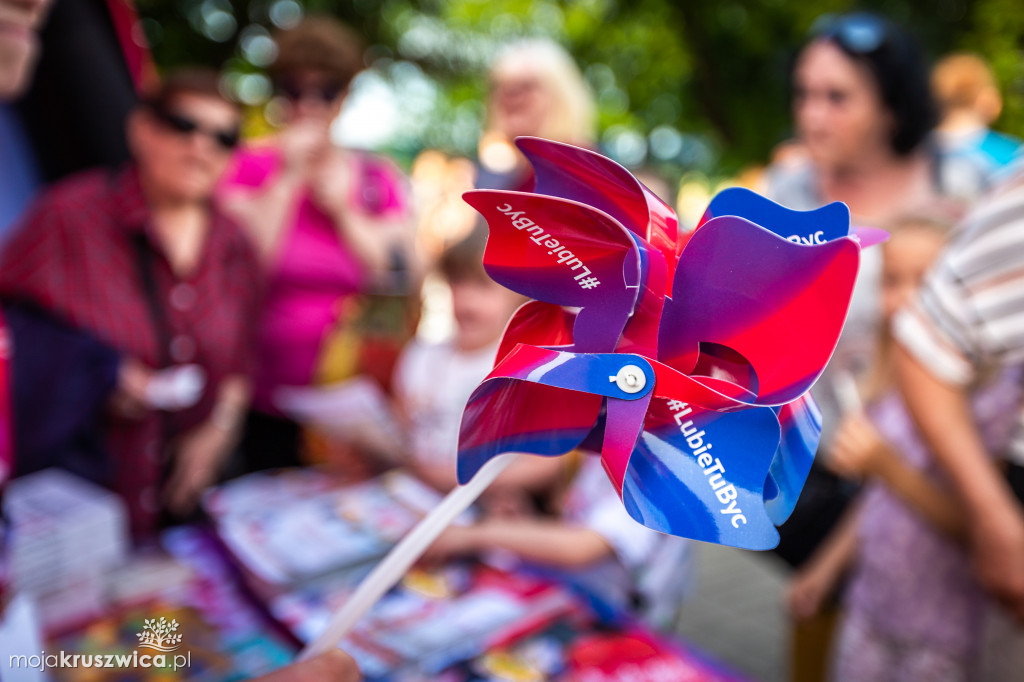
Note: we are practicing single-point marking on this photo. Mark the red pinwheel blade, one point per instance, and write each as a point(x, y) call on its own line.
point(569, 172)
point(536, 323)
point(565, 253)
point(542, 401)
point(509, 415)
point(581, 175)
point(779, 304)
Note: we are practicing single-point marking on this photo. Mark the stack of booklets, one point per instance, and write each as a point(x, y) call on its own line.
point(288, 528)
point(66, 534)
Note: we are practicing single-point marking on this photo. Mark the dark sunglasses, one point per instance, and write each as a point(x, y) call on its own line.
point(858, 33)
point(179, 123)
point(326, 92)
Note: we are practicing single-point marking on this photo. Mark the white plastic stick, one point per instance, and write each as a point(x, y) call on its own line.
point(398, 561)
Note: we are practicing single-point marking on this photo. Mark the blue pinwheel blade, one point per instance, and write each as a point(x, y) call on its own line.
point(700, 474)
point(818, 226)
point(800, 422)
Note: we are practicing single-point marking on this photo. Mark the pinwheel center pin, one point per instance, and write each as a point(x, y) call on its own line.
point(630, 379)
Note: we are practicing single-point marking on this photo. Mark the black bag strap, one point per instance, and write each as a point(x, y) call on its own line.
point(144, 263)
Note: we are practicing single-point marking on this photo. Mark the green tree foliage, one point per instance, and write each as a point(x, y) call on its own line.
point(685, 84)
point(996, 31)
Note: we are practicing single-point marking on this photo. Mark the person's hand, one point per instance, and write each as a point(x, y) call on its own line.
point(331, 185)
point(302, 145)
point(857, 448)
point(437, 477)
point(807, 591)
point(455, 541)
point(997, 544)
point(197, 462)
point(129, 398)
point(333, 666)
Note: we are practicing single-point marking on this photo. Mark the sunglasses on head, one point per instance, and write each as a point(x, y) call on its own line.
point(325, 92)
point(858, 33)
point(184, 125)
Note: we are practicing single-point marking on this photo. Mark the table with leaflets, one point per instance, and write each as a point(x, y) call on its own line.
point(281, 551)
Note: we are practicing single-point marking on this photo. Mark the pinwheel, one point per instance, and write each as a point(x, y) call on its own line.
point(683, 359)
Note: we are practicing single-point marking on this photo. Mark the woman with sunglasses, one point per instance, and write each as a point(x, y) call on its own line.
point(863, 112)
point(326, 222)
point(141, 260)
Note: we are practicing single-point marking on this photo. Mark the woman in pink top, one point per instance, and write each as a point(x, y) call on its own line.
point(325, 220)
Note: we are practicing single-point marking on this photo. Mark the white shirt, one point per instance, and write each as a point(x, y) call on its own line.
point(433, 382)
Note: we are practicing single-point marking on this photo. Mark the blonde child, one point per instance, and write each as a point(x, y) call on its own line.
point(433, 381)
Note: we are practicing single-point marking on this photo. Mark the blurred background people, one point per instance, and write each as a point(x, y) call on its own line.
point(70, 116)
point(327, 223)
point(142, 260)
point(434, 380)
point(964, 324)
point(19, 43)
point(913, 610)
point(535, 89)
point(970, 102)
point(20, 22)
point(863, 111)
point(133, 331)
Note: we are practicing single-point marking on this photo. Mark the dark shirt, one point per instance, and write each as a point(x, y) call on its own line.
point(61, 380)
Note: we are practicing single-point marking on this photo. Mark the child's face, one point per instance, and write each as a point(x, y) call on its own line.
point(906, 258)
point(482, 307)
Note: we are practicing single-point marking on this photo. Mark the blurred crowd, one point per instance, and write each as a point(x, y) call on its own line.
point(200, 306)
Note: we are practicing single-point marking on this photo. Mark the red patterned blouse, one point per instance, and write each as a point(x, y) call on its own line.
point(76, 255)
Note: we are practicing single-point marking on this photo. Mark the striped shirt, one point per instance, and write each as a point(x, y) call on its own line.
point(968, 317)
